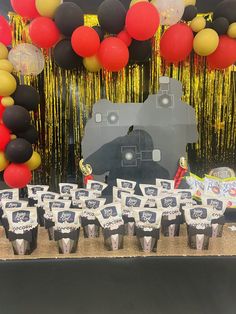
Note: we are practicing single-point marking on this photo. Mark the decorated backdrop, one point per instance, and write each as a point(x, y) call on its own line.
point(68, 96)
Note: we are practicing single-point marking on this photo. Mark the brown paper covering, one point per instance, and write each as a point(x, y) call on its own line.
point(94, 247)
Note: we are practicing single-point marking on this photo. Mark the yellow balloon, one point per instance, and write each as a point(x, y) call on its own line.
point(13, 137)
point(34, 162)
point(3, 161)
point(6, 65)
point(8, 83)
point(189, 2)
point(92, 64)
point(232, 30)
point(198, 23)
point(206, 42)
point(7, 101)
point(3, 51)
point(47, 8)
point(136, 1)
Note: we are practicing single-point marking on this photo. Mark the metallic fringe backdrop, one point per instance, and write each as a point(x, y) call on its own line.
point(67, 98)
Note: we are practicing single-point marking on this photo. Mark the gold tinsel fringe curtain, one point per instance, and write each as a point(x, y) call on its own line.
point(67, 98)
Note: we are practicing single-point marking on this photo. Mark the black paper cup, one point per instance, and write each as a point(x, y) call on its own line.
point(32, 202)
point(217, 230)
point(182, 217)
point(66, 245)
point(114, 239)
point(170, 228)
point(147, 240)
point(34, 243)
point(1, 213)
point(129, 223)
point(49, 225)
point(40, 213)
point(22, 245)
point(5, 224)
point(199, 240)
point(91, 231)
point(91, 228)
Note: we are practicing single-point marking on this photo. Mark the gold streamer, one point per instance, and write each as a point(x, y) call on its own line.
point(69, 96)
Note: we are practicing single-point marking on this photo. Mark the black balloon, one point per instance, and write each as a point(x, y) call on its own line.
point(226, 9)
point(30, 135)
point(208, 24)
point(16, 118)
point(68, 17)
point(111, 16)
point(100, 32)
point(26, 96)
point(190, 12)
point(140, 51)
point(19, 151)
point(65, 56)
point(220, 25)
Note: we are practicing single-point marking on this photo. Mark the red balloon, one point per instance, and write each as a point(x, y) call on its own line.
point(44, 32)
point(85, 41)
point(25, 8)
point(2, 109)
point(142, 21)
point(113, 54)
point(5, 32)
point(17, 175)
point(176, 43)
point(5, 137)
point(224, 55)
point(125, 37)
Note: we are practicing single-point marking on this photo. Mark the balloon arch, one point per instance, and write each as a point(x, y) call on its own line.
point(121, 38)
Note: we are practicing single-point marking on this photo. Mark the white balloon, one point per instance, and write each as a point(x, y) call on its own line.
point(27, 59)
point(170, 11)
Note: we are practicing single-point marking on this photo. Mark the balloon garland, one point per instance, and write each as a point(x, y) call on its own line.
point(129, 34)
point(17, 158)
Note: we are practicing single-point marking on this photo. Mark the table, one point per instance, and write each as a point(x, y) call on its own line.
point(173, 280)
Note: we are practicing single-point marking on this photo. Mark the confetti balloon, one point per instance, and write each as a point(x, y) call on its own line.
point(27, 59)
point(170, 11)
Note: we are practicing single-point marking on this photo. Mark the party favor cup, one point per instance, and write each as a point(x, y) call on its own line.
point(1, 213)
point(5, 224)
point(217, 227)
point(40, 213)
point(170, 228)
point(32, 202)
point(147, 239)
point(129, 225)
point(67, 242)
point(34, 243)
point(49, 224)
point(91, 228)
point(198, 239)
point(114, 239)
point(182, 217)
point(21, 243)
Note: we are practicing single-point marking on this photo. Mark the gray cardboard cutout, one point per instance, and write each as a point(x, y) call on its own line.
point(163, 121)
